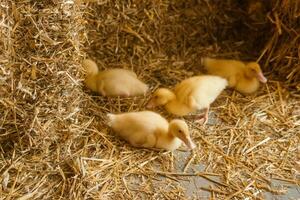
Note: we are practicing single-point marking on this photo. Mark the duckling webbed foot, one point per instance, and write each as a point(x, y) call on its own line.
point(203, 118)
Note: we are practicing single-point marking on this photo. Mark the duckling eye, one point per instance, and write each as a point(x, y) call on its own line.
point(180, 131)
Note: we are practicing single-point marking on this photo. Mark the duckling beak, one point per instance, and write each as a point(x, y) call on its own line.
point(189, 143)
point(261, 77)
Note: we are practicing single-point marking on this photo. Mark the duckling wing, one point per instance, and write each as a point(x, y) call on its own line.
point(139, 139)
point(113, 86)
point(205, 91)
point(137, 87)
point(124, 85)
point(185, 88)
point(149, 141)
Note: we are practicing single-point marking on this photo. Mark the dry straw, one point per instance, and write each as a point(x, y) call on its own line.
point(54, 142)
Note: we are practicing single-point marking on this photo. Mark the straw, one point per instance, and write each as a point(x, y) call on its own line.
point(54, 140)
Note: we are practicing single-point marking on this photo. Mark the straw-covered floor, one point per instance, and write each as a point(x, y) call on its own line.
point(54, 142)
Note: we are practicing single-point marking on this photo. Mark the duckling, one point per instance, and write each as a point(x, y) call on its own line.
point(190, 95)
point(113, 82)
point(150, 130)
point(243, 77)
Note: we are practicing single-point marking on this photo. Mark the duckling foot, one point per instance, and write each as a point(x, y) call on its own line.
point(204, 117)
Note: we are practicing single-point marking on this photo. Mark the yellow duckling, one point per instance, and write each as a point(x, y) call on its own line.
point(150, 130)
point(112, 82)
point(190, 95)
point(244, 77)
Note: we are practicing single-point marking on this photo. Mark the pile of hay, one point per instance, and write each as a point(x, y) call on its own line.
point(54, 142)
point(280, 26)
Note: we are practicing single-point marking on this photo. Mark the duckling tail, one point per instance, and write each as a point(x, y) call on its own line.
point(110, 118)
point(90, 67)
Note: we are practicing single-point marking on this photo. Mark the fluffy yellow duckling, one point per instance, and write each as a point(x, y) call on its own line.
point(190, 95)
point(113, 82)
point(244, 77)
point(150, 130)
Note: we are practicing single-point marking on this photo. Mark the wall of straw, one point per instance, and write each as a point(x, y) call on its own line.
point(281, 45)
point(54, 143)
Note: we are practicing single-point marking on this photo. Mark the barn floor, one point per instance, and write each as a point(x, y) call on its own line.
point(54, 140)
point(184, 173)
point(193, 184)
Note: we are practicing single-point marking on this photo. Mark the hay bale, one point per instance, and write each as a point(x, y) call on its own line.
point(41, 98)
point(280, 53)
point(54, 142)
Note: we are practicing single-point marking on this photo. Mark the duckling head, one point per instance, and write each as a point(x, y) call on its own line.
point(253, 70)
point(178, 128)
point(161, 97)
